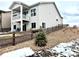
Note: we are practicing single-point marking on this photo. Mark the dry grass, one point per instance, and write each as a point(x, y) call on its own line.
point(54, 38)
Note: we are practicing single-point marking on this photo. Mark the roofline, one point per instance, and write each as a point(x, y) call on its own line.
point(47, 3)
point(18, 2)
point(7, 11)
point(57, 10)
point(40, 3)
point(4, 11)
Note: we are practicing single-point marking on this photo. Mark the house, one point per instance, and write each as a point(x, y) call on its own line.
point(41, 14)
point(5, 20)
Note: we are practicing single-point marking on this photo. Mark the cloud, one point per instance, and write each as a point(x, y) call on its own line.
point(71, 12)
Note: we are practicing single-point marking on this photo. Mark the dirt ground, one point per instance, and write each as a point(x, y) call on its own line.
point(54, 38)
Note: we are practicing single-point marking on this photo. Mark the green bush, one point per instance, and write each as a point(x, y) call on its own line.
point(40, 39)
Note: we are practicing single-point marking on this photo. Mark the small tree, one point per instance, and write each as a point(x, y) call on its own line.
point(40, 39)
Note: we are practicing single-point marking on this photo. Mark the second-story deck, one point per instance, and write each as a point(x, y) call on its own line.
point(20, 13)
point(18, 17)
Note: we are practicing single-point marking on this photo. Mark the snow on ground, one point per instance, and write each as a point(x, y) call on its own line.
point(67, 49)
point(19, 53)
point(62, 47)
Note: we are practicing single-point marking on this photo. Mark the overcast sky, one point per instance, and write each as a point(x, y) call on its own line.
point(68, 9)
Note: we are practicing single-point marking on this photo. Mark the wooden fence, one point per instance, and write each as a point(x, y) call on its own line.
point(24, 36)
point(14, 39)
point(52, 29)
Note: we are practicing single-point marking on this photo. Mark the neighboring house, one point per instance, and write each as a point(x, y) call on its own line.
point(5, 21)
point(42, 14)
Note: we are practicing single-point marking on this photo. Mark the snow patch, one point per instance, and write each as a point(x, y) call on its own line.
point(19, 53)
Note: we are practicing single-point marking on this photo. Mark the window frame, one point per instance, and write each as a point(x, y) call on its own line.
point(33, 25)
point(14, 26)
point(33, 12)
point(25, 13)
point(43, 25)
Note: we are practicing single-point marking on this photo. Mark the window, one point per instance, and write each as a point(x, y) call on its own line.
point(25, 12)
point(33, 25)
point(14, 26)
point(43, 25)
point(56, 19)
point(33, 12)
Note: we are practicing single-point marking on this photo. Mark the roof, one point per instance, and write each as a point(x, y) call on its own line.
point(40, 3)
point(2, 11)
point(57, 10)
point(18, 2)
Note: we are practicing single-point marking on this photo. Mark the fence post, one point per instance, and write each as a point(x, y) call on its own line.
point(31, 33)
point(13, 43)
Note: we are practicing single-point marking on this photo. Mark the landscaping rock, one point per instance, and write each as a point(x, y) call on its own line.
point(70, 49)
point(67, 49)
point(44, 53)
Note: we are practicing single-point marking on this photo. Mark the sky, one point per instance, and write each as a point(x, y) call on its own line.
point(69, 9)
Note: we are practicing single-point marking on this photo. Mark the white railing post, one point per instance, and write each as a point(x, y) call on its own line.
point(11, 20)
point(21, 18)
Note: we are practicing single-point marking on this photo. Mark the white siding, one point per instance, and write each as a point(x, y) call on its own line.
point(34, 18)
point(48, 14)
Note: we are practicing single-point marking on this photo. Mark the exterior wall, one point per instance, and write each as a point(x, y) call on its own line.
point(33, 18)
point(6, 20)
point(48, 14)
point(45, 13)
